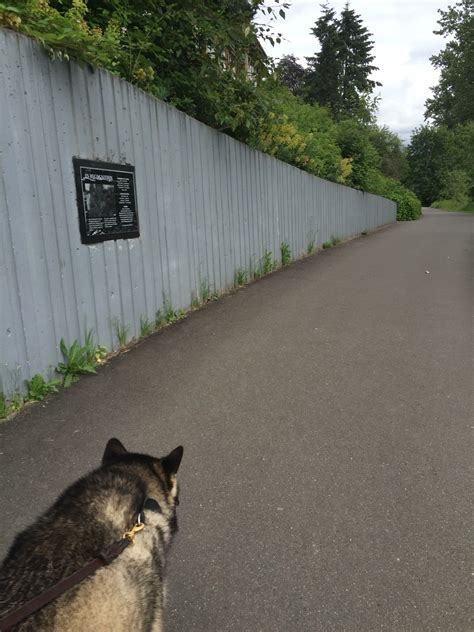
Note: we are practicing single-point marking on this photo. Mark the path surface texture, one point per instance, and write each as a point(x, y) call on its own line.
point(325, 413)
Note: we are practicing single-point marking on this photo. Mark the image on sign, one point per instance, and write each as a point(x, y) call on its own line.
point(99, 199)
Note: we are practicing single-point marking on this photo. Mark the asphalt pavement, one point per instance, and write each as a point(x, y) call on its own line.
point(325, 412)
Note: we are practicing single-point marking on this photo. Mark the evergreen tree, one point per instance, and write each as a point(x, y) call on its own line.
point(355, 61)
point(340, 72)
point(322, 80)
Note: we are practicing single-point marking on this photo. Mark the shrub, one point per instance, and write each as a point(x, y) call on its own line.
point(408, 205)
point(300, 134)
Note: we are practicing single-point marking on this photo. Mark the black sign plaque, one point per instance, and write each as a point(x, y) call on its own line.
point(106, 199)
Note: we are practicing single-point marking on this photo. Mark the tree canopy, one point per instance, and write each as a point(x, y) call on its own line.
point(291, 74)
point(441, 165)
point(440, 154)
point(452, 102)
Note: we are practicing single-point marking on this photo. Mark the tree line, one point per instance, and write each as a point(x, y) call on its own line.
point(441, 154)
point(205, 57)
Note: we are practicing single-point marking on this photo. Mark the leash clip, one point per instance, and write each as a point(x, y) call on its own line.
point(130, 535)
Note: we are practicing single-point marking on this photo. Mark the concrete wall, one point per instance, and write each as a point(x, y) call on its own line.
point(207, 205)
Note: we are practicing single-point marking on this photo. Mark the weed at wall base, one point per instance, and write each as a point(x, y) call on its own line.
point(285, 252)
point(311, 247)
point(195, 302)
point(79, 360)
point(327, 244)
point(265, 265)
point(146, 328)
point(240, 277)
point(121, 332)
point(160, 319)
point(204, 291)
point(38, 388)
point(3, 406)
point(10, 406)
point(169, 313)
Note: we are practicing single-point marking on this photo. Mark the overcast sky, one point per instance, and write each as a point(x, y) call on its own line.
point(403, 43)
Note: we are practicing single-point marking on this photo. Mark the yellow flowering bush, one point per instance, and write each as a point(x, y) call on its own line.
point(302, 135)
point(280, 138)
point(64, 34)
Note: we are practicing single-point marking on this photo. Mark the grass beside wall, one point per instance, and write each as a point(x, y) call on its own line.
point(455, 205)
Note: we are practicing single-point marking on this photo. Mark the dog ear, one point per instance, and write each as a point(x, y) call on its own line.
point(171, 462)
point(113, 449)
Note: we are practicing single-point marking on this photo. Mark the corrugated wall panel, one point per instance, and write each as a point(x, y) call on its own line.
point(208, 205)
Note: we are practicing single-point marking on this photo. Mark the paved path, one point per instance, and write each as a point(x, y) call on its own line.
point(325, 413)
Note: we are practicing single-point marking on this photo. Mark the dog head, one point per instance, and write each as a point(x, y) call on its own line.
point(157, 475)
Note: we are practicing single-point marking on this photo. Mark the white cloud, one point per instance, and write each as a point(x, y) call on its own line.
point(403, 42)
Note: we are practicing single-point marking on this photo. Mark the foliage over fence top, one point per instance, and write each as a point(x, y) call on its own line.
point(204, 57)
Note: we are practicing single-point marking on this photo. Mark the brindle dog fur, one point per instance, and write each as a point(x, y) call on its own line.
point(94, 512)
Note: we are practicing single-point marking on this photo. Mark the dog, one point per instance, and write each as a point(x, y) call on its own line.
point(94, 512)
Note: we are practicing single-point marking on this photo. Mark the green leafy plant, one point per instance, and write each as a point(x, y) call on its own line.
point(335, 240)
point(3, 406)
point(285, 252)
point(77, 361)
point(195, 302)
point(365, 232)
point(146, 328)
point(121, 331)
point(95, 353)
point(39, 388)
point(89, 347)
point(311, 247)
point(16, 402)
point(327, 244)
point(12, 405)
point(204, 291)
point(169, 313)
point(160, 319)
point(240, 277)
point(265, 264)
